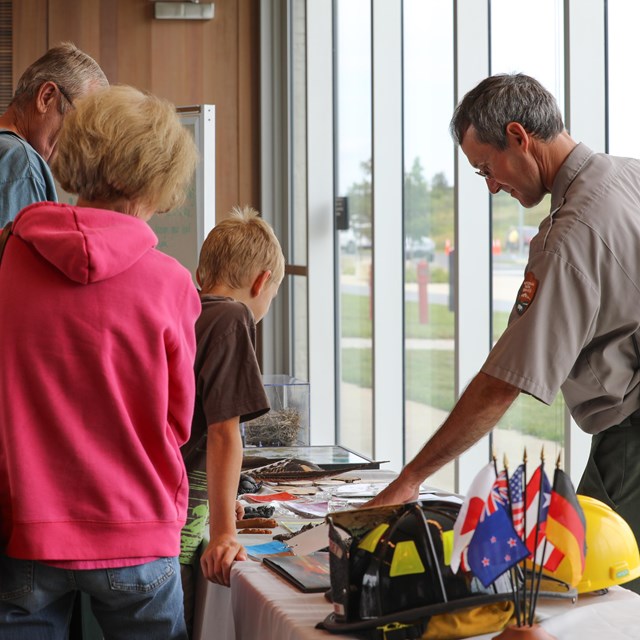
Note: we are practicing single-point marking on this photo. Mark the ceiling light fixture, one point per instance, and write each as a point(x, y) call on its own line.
point(183, 11)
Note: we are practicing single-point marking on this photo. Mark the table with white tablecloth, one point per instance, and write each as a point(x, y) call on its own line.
point(262, 605)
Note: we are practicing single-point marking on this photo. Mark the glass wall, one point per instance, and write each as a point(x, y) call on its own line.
point(624, 92)
point(344, 167)
point(354, 249)
point(428, 223)
point(528, 423)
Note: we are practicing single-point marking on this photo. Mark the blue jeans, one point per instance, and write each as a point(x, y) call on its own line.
point(143, 601)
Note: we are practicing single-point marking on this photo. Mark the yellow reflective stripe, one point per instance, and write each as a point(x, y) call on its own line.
point(393, 626)
point(447, 546)
point(370, 541)
point(406, 560)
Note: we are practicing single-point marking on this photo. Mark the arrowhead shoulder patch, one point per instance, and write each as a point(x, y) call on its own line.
point(527, 292)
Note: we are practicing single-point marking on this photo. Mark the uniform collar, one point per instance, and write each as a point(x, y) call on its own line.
point(570, 168)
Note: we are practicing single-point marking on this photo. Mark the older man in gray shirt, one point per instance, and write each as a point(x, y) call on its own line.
point(29, 127)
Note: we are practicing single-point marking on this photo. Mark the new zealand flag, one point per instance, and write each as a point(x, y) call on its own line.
point(495, 546)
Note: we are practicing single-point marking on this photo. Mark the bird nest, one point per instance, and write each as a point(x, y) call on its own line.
point(278, 428)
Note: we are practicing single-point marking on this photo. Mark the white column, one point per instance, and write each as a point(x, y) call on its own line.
point(388, 241)
point(473, 230)
point(274, 173)
point(585, 118)
point(320, 194)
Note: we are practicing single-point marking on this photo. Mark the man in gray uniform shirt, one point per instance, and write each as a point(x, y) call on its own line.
point(575, 325)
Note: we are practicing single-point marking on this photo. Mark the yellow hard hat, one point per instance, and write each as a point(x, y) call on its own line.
point(612, 551)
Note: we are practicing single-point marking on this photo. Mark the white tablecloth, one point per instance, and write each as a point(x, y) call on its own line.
point(261, 605)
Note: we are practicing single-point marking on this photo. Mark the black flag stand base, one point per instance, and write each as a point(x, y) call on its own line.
point(534, 632)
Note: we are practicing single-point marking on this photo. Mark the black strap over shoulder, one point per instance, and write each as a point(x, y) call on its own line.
point(4, 236)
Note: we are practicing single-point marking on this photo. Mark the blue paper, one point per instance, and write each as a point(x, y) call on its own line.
point(267, 549)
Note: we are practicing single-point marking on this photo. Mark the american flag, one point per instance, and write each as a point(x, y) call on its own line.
point(516, 484)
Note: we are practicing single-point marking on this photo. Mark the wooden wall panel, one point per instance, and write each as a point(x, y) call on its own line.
point(188, 62)
point(108, 21)
point(221, 85)
point(78, 22)
point(132, 54)
point(29, 33)
point(248, 94)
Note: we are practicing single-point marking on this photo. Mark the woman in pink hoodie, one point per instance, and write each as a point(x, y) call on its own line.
point(96, 381)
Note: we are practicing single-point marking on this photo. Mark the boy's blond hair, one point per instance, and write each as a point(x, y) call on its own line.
point(238, 249)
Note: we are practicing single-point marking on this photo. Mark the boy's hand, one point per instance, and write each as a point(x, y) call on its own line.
point(239, 510)
point(218, 557)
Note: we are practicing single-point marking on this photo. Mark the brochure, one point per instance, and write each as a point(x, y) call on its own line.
point(257, 551)
point(308, 509)
point(308, 573)
point(294, 526)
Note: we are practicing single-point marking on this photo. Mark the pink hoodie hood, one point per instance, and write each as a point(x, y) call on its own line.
point(87, 245)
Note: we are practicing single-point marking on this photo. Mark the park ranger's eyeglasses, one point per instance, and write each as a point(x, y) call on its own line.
point(484, 173)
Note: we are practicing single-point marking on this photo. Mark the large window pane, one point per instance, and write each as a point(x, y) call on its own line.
point(428, 223)
point(624, 91)
point(354, 248)
point(528, 423)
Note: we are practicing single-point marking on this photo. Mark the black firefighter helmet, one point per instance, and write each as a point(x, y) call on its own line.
point(399, 575)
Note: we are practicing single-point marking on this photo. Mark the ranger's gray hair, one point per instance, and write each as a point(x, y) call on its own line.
point(504, 98)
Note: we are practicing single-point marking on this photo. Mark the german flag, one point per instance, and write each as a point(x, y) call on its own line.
point(566, 528)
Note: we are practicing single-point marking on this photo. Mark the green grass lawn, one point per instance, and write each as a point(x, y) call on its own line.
point(356, 320)
point(429, 373)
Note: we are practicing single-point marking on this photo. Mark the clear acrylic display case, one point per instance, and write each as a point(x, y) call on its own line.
point(287, 423)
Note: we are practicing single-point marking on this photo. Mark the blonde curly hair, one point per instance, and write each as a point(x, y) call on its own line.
point(119, 143)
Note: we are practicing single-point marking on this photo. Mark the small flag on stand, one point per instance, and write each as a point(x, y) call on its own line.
point(495, 546)
point(566, 526)
point(537, 506)
point(470, 514)
point(516, 486)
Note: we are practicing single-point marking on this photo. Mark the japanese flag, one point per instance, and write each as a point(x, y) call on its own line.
point(471, 512)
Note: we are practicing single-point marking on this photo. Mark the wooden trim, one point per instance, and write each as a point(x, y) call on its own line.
point(296, 270)
point(249, 102)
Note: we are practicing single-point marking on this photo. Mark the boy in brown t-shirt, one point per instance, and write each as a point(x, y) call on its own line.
point(240, 269)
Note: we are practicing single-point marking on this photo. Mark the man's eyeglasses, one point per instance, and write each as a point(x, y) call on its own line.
point(65, 95)
point(484, 173)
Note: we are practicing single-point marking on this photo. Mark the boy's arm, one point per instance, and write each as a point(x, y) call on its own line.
point(224, 461)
